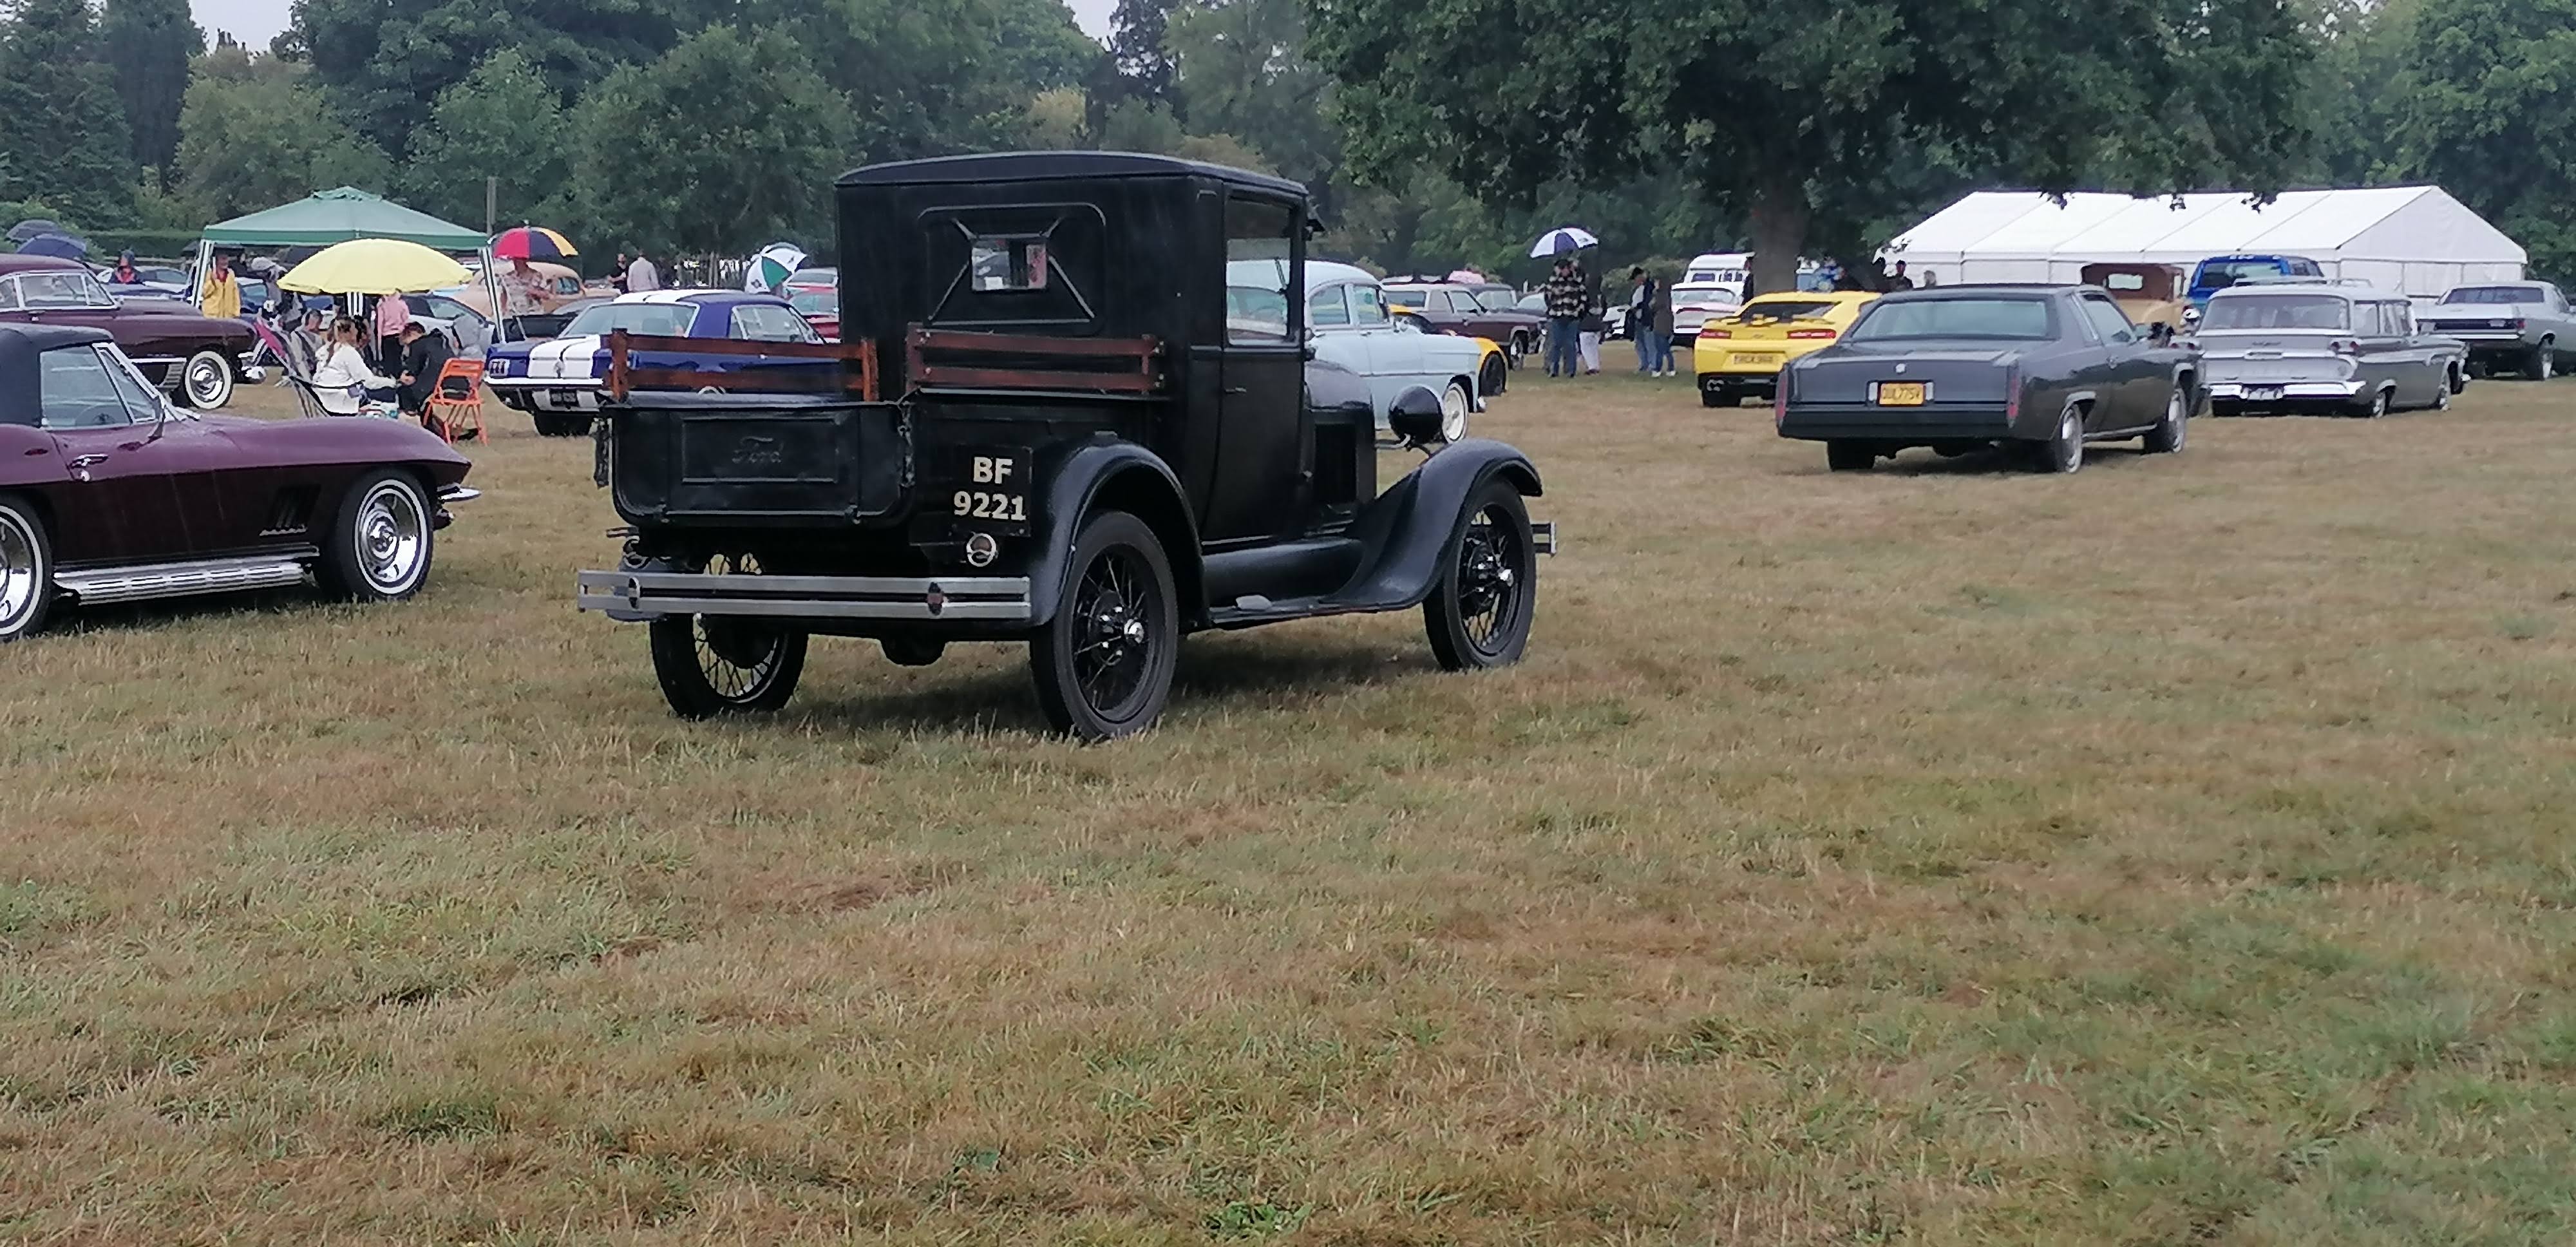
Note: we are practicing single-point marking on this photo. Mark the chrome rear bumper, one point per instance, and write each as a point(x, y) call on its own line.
point(640, 595)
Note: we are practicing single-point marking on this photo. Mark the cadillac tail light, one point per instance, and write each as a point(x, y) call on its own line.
point(1811, 334)
point(2012, 393)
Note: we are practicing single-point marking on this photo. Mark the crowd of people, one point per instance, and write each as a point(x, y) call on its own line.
point(1579, 317)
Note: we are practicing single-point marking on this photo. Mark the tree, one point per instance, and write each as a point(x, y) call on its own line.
point(254, 133)
point(1242, 70)
point(2490, 114)
point(1139, 55)
point(500, 121)
point(933, 77)
point(1792, 111)
point(149, 44)
point(729, 141)
point(64, 138)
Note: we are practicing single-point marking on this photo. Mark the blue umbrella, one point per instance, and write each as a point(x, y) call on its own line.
point(63, 245)
point(1563, 240)
point(32, 226)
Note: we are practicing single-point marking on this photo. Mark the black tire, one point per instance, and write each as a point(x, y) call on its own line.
point(205, 380)
point(1849, 457)
point(26, 569)
point(2376, 407)
point(2442, 394)
point(382, 540)
point(1479, 613)
point(1104, 663)
point(911, 651)
point(560, 423)
point(2459, 378)
point(2542, 362)
point(2063, 452)
point(2172, 432)
point(720, 665)
point(1718, 396)
point(1517, 349)
point(1493, 377)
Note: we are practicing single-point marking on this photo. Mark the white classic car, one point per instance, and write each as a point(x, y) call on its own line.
point(1348, 322)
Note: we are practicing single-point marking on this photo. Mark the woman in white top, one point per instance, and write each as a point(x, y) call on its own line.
point(341, 373)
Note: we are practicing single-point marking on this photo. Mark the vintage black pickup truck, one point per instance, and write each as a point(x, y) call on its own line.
point(1076, 409)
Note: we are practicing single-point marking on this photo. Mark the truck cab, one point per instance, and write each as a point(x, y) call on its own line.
point(2219, 272)
point(1079, 409)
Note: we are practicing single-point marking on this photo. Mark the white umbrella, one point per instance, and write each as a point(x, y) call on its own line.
point(772, 266)
point(1563, 240)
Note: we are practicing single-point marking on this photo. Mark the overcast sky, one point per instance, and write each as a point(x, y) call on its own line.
point(254, 21)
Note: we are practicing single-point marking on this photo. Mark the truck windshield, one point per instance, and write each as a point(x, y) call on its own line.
point(2496, 294)
point(2021, 319)
point(2278, 311)
point(665, 320)
point(2220, 274)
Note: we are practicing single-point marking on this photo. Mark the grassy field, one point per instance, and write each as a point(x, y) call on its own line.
point(2177, 852)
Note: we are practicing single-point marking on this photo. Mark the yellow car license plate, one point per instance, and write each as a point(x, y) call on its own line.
point(1900, 393)
point(1757, 361)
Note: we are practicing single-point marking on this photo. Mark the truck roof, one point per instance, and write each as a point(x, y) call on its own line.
point(1044, 166)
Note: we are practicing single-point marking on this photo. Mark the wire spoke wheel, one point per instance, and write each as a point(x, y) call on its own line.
point(710, 665)
point(1479, 614)
point(1104, 663)
point(1116, 646)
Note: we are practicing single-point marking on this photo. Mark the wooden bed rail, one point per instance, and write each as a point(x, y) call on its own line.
point(857, 374)
point(1136, 362)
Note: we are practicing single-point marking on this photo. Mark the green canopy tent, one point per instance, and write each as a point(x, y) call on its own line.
point(340, 215)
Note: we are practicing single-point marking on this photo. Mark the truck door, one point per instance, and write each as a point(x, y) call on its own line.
point(1263, 454)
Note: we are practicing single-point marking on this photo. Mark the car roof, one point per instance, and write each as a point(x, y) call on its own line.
point(19, 346)
point(1320, 272)
point(2349, 291)
point(14, 263)
point(1037, 166)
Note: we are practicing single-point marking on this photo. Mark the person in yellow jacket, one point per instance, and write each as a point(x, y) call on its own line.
point(223, 295)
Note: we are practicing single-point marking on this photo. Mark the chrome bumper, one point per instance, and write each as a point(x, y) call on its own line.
point(457, 493)
point(2279, 391)
point(640, 595)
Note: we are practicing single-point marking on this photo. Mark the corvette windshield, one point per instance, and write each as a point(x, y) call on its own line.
point(2020, 319)
point(667, 320)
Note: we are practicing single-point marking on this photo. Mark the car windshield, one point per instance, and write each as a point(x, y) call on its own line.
point(1496, 300)
point(2220, 274)
point(1762, 312)
point(2277, 311)
point(823, 302)
point(667, 320)
point(2496, 294)
point(2000, 317)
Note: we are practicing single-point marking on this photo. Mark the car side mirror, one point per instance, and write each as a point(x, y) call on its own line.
point(1415, 417)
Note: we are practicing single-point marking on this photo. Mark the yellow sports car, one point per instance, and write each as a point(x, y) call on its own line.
point(1741, 356)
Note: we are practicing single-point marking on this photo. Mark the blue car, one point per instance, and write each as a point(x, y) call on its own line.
point(558, 381)
point(2218, 272)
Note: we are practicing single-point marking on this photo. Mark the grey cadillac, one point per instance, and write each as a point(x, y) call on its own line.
point(1961, 368)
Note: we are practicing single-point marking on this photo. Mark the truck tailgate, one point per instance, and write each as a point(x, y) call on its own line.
point(721, 458)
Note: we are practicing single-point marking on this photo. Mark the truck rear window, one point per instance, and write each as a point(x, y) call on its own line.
point(2496, 294)
point(2025, 319)
point(2278, 311)
point(2222, 274)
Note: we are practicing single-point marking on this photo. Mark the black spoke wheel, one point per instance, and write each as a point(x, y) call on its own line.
point(1104, 663)
point(1479, 614)
point(710, 665)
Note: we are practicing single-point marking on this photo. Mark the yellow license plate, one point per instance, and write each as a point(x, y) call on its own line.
point(1900, 393)
point(1756, 360)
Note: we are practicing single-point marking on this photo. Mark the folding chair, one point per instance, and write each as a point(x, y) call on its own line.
point(455, 397)
point(307, 399)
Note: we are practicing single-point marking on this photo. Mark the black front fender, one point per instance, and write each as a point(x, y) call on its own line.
point(1119, 476)
point(1407, 532)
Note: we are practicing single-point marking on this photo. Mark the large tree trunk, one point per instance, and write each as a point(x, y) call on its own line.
point(1778, 220)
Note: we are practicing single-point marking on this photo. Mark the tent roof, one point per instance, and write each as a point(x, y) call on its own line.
point(2321, 224)
point(326, 217)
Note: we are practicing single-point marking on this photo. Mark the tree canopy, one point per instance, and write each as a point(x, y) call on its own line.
point(64, 139)
point(148, 43)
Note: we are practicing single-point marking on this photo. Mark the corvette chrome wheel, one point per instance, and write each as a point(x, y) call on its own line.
point(25, 569)
point(393, 537)
point(206, 380)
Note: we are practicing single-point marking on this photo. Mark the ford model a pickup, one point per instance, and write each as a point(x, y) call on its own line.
point(1076, 408)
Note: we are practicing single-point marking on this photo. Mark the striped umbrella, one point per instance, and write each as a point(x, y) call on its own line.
point(1563, 240)
point(771, 268)
point(532, 242)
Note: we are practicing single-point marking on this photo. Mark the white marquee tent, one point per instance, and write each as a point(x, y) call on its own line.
point(2414, 238)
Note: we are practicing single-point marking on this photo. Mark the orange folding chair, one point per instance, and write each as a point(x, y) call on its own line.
point(458, 398)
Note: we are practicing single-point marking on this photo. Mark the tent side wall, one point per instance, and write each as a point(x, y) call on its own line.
point(2430, 246)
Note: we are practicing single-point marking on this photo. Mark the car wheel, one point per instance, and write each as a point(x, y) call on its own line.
point(2442, 394)
point(206, 380)
point(379, 549)
point(2543, 362)
point(911, 651)
point(1849, 457)
point(2376, 407)
point(2459, 378)
point(1518, 348)
point(1104, 664)
point(26, 570)
point(1453, 411)
point(710, 665)
point(2171, 432)
point(1492, 379)
point(1479, 614)
point(1716, 396)
point(2064, 450)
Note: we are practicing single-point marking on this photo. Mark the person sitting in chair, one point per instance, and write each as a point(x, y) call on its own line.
point(342, 380)
point(424, 355)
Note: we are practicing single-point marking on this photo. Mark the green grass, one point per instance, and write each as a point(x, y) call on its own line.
point(2177, 852)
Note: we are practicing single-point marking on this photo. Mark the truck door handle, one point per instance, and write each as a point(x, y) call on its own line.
point(1238, 389)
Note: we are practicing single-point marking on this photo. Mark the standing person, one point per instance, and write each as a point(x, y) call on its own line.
point(617, 274)
point(125, 274)
point(424, 354)
point(222, 299)
point(393, 315)
point(641, 275)
point(522, 290)
point(341, 379)
point(1641, 316)
point(1898, 280)
point(1589, 333)
point(1564, 292)
point(1661, 312)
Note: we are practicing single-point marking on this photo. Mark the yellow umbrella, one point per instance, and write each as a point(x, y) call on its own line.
point(375, 266)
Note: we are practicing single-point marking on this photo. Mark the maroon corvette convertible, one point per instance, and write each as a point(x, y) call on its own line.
point(109, 494)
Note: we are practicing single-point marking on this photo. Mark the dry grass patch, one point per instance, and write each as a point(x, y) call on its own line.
point(2176, 852)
